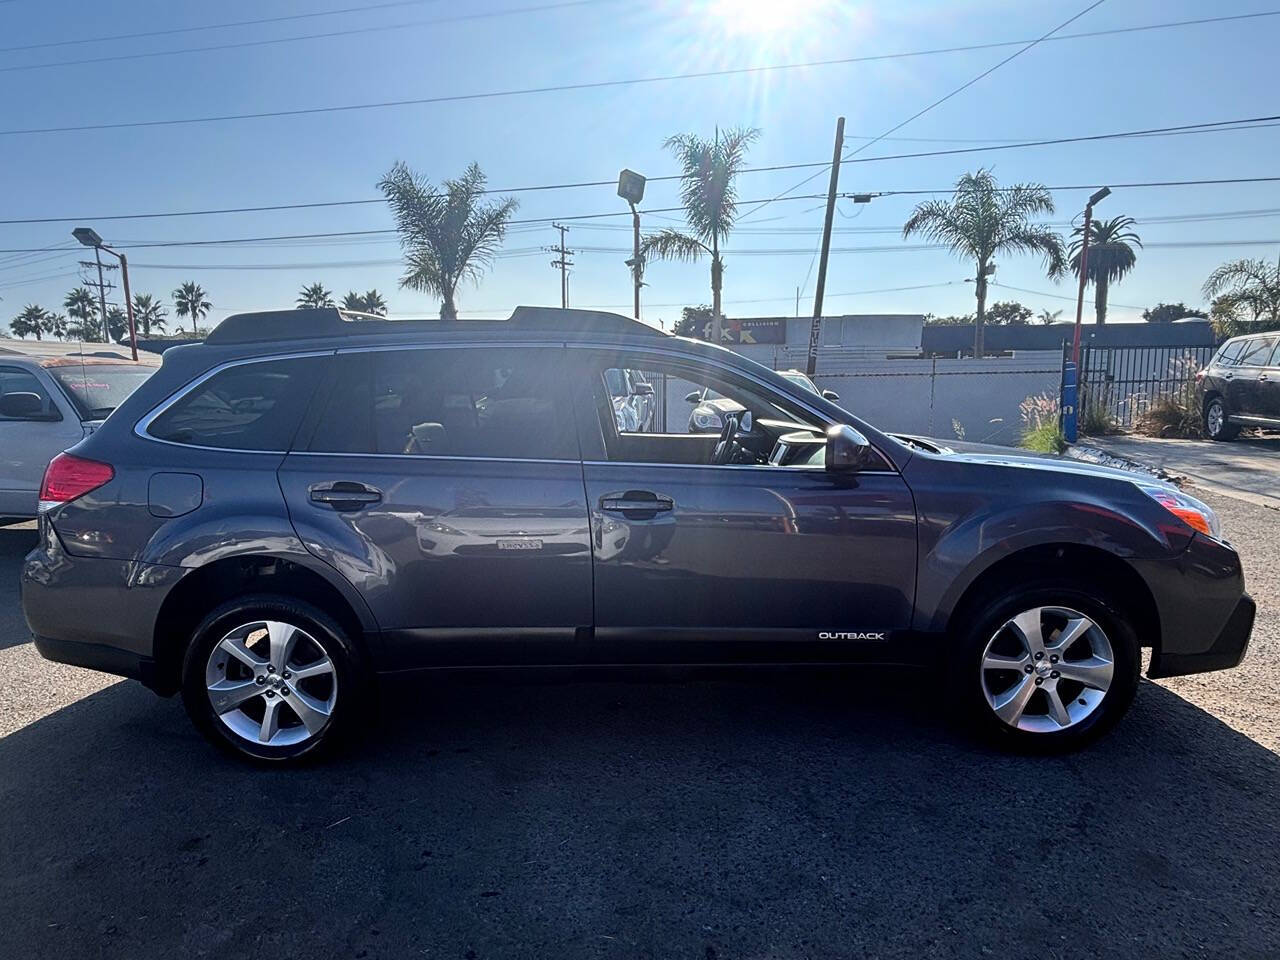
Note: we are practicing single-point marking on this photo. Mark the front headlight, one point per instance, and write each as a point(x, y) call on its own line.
point(706, 421)
point(1199, 516)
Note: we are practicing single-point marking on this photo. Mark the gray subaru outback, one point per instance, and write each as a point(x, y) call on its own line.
point(310, 499)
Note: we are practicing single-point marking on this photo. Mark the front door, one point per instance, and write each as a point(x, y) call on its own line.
point(1244, 392)
point(445, 484)
point(699, 560)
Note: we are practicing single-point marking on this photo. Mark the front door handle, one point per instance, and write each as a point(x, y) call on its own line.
point(1263, 378)
point(637, 504)
point(345, 495)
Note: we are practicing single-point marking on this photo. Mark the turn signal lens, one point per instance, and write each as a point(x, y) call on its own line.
point(68, 477)
point(1198, 516)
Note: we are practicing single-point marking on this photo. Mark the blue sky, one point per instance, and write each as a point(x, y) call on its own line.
point(1071, 87)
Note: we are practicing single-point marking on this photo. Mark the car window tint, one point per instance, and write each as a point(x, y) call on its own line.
point(15, 380)
point(251, 406)
point(1275, 356)
point(1230, 352)
point(464, 402)
point(1257, 351)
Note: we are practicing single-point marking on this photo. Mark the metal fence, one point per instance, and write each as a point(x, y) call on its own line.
point(1120, 383)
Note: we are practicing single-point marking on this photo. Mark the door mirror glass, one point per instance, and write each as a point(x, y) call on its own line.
point(830, 395)
point(847, 450)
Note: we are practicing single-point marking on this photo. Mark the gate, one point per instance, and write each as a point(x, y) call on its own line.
point(1122, 382)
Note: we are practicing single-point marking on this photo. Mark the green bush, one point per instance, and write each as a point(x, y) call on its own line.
point(1046, 438)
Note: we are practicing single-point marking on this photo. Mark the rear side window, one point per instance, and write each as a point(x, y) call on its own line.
point(23, 398)
point(456, 402)
point(250, 406)
point(1257, 352)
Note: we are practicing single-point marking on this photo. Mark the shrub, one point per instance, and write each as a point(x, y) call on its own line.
point(1040, 430)
point(1170, 416)
point(1046, 438)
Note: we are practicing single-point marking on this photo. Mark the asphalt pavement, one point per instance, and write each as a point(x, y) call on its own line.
point(775, 816)
point(1247, 468)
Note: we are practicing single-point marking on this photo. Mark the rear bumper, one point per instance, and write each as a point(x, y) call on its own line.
point(97, 656)
point(1226, 651)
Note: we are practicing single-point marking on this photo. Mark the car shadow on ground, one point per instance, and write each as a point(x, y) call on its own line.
point(774, 816)
point(15, 543)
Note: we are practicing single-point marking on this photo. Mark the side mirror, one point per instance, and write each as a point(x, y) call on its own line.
point(643, 389)
point(693, 396)
point(830, 395)
point(22, 403)
point(847, 450)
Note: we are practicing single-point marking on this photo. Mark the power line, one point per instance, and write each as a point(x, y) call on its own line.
point(604, 84)
point(238, 44)
point(943, 99)
point(1215, 126)
point(212, 26)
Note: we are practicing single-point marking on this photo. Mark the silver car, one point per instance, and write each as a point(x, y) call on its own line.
point(50, 403)
point(710, 408)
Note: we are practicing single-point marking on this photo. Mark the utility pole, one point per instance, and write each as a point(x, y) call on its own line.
point(637, 262)
point(102, 284)
point(815, 331)
point(563, 263)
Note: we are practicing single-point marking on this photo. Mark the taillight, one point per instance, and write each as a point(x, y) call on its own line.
point(68, 477)
point(1199, 376)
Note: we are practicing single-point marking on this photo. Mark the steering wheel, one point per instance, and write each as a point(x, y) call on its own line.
point(727, 444)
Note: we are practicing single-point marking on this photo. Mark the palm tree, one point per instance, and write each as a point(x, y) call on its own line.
point(82, 308)
point(1246, 285)
point(370, 302)
point(1111, 256)
point(30, 320)
point(117, 324)
point(148, 312)
point(447, 235)
point(709, 193)
point(314, 296)
point(189, 300)
point(981, 220)
point(54, 324)
point(1047, 316)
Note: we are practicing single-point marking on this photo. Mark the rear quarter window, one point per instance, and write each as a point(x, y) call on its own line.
point(1257, 352)
point(250, 406)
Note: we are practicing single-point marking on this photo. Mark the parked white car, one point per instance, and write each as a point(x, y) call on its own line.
point(47, 404)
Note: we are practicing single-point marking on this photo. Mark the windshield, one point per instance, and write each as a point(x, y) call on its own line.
point(98, 388)
point(799, 378)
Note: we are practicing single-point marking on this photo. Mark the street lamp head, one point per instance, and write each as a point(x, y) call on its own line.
point(1100, 195)
point(87, 236)
point(631, 186)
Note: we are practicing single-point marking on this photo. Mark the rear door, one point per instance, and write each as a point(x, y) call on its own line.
point(1268, 387)
point(1245, 392)
point(445, 483)
point(34, 428)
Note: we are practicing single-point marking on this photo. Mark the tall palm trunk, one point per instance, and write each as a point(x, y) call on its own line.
point(1100, 299)
point(979, 320)
point(717, 275)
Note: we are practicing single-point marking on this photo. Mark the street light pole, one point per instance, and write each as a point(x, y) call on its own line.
point(631, 189)
point(89, 238)
point(1084, 270)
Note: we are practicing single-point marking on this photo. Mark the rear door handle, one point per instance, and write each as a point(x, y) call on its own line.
point(345, 495)
point(636, 504)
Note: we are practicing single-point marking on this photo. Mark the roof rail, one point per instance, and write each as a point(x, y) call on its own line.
point(311, 324)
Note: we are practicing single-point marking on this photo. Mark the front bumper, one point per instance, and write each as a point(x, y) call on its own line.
point(1226, 651)
point(1205, 615)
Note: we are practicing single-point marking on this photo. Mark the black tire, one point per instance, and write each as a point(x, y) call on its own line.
point(350, 675)
point(987, 616)
point(1225, 430)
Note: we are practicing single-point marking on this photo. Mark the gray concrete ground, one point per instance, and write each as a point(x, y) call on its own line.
point(1247, 467)
point(771, 817)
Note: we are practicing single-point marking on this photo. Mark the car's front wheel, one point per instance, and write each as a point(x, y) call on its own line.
point(1049, 668)
point(270, 678)
point(1216, 426)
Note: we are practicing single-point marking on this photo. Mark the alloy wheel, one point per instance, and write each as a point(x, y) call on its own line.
point(1047, 669)
point(271, 683)
point(1215, 418)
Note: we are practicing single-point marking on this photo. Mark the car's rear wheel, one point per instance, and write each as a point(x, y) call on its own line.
point(1049, 668)
point(1216, 426)
point(272, 679)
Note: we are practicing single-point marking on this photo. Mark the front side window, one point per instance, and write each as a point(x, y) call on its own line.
point(1257, 351)
point(456, 402)
point(249, 406)
point(686, 409)
point(23, 398)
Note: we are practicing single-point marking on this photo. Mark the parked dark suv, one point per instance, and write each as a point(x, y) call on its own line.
point(307, 499)
point(1241, 386)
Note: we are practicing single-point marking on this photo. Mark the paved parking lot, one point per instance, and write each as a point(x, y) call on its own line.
point(1247, 467)
point(779, 816)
